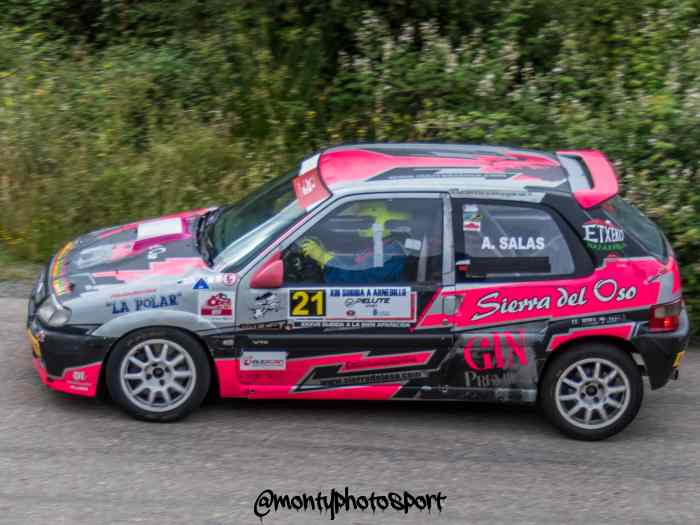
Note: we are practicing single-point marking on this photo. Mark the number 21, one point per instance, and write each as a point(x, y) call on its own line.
point(306, 303)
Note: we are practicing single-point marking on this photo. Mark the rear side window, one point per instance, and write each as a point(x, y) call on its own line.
point(504, 241)
point(636, 224)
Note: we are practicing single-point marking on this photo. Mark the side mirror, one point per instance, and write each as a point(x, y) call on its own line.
point(270, 274)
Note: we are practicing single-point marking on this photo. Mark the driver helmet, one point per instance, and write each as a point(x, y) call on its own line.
point(380, 214)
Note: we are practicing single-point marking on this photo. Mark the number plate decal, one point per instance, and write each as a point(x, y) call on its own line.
point(307, 303)
point(386, 303)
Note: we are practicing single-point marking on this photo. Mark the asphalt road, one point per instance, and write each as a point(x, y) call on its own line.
point(72, 460)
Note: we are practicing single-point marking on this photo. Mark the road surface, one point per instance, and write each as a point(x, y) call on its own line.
point(72, 460)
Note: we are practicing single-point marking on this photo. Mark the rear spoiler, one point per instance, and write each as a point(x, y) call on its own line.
point(602, 177)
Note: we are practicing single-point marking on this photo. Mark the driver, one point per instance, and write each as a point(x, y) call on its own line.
point(363, 267)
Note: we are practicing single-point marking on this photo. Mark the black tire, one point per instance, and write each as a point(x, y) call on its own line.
point(195, 362)
point(587, 355)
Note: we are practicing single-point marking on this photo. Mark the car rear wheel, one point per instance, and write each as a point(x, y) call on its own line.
point(158, 374)
point(592, 392)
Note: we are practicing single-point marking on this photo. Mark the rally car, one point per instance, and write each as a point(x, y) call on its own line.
point(378, 271)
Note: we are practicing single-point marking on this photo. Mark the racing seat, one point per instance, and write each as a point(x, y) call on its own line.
point(400, 231)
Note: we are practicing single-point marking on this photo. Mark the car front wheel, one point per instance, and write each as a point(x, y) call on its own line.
point(158, 374)
point(592, 392)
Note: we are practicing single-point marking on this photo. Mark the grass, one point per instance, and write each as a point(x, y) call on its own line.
point(12, 268)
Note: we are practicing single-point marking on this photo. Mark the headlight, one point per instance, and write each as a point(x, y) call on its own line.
point(52, 313)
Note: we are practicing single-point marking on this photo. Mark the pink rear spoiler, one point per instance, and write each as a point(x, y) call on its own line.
point(604, 180)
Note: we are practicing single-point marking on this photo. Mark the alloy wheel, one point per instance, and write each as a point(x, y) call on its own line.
point(158, 375)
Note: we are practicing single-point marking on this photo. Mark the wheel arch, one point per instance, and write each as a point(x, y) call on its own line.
point(622, 344)
point(102, 389)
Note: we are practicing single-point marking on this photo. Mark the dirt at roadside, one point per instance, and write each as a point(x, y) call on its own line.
point(17, 290)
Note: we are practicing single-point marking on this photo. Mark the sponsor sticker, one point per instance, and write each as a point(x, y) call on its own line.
point(216, 306)
point(251, 360)
point(348, 325)
point(471, 218)
point(159, 228)
point(155, 251)
point(598, 320)
point(272, 325)
point(94, 256)
point(496, 351)
point(603, 235)
point(201, 285)
point(309, 189)
point(604, 291)
point(390, 303)
point(121, 295)
point(413, 244)
point(148, 302)
point(264, 304)
point(227, 279)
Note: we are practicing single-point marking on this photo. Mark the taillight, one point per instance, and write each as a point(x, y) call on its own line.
point(665, 317)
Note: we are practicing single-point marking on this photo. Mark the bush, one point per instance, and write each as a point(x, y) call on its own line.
point(113, 111)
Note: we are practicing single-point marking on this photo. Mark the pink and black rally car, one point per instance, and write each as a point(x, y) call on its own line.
point(378, 271)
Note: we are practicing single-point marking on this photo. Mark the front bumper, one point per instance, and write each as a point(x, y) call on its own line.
point(662, 352)
point(67, 362)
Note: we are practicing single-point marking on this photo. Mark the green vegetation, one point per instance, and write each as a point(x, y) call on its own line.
point(112, 110)
point(12, 268)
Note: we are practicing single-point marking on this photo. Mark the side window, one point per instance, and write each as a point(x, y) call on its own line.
point(370, 242)
point(638, 224)
point(503, 241)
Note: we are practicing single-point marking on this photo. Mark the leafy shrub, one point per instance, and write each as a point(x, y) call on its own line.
point(112, 111)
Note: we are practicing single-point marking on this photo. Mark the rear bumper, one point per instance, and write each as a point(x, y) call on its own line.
point(661, 352)
point(67, 362)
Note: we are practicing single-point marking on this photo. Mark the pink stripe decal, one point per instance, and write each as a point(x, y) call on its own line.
point(623, 331)
point(354, 363)
point(174, 266)
point(355, 165)
point(613, 287)
point(234, 382)
point(374, 392)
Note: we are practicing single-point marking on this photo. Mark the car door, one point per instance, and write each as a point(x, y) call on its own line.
point(515, 264)
point(347, 328)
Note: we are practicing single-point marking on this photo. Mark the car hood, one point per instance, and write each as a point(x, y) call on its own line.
point(165, 246)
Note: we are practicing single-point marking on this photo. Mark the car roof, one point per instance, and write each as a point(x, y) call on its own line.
point(491, 170)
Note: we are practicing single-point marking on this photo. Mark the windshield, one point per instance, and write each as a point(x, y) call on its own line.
point(241, 230)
